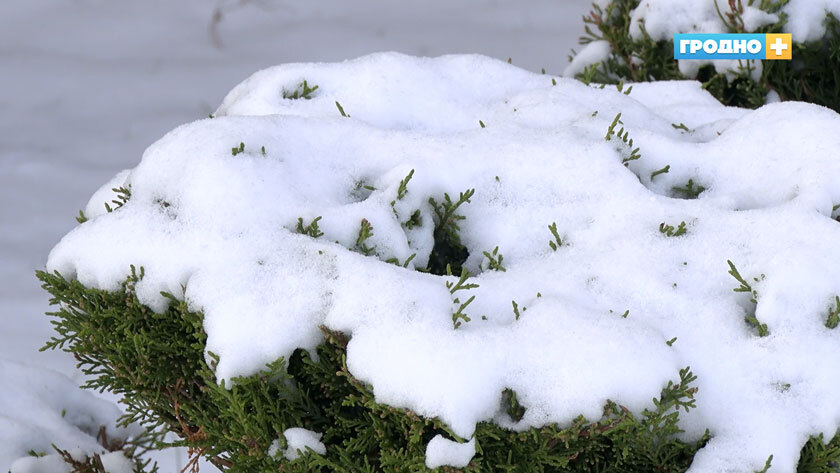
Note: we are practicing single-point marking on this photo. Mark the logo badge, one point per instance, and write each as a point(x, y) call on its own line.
point(732, 46)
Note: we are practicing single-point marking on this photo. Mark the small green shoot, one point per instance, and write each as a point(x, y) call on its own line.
point(303, 91)
point(495, 260)
point(341, 110)
point(669, 230)
point(365, 232)
point(660, 171)
point(311, 230)
point(833, 318)
point(557, 242)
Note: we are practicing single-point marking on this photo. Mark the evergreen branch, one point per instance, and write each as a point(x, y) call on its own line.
point(495, 260)
point(660, 171)
point(341, 110)
point(303, 91)
point(750, 317)
point(670, 231)
point(461, 284)
point(365, 232)
point(689, 191)
point(123, 195)
point(557, 242)
point(311, 229)
point(833, 318)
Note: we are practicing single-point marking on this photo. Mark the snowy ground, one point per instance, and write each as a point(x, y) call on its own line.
point(87, 85)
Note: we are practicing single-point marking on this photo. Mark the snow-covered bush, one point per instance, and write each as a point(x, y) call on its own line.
point(454, 263)
point(629, 40)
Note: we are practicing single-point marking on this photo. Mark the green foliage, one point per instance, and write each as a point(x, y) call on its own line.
point(767, 465)
point(689, 191)
point(302, 91)
point(670, 231)
point(516, 313)
point(818, 456)
point(512, 406)
point(156, 363)
point(402, 190)
point(494, 260)
point(311, 229)
point(403, 264)
point(237, 149)
point(341, 110)
point(660, 171)
point(557, 242)
point(448, 249)
point(750, 318)
point(82, 218)
point(624, 136)
point(812, 75)
point(123, 195)
point(833, 318)
point(459, 316)
point(365, 232)
point(416, 220)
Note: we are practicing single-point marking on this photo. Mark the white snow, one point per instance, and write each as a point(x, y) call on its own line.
point(444, 452)
point(298, 442)
point(228, 236)
point(39, 407)
point(806, 18)
point(592, 53)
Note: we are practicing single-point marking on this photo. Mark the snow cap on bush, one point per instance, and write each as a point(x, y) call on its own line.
point(280, 215)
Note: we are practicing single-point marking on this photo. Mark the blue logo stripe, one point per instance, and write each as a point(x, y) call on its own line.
point(720, 46)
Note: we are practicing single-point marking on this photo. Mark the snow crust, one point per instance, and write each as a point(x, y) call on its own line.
point(223, 226)
point(298, 440)
point(40, 407)
point(444, 452)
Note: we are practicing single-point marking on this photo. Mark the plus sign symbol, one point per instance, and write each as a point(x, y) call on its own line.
point(778, 46)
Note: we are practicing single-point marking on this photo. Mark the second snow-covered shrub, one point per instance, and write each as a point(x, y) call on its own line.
point(474, 267)
point(629, 40)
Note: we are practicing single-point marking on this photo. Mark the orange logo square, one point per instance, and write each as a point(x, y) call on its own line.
point(778, 46)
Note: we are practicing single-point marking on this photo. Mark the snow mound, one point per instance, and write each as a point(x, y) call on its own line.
point(222, 222)
point(39, 408)
point(445, 452)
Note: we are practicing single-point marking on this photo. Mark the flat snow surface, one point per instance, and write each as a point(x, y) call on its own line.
point(87, 85)
point(224, 226)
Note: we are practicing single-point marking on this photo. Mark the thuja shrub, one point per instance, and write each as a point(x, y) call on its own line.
point(813, 75)
point(396, 300)
point(156, 362)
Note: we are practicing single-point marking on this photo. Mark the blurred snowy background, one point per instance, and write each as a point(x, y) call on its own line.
point(87, 85)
